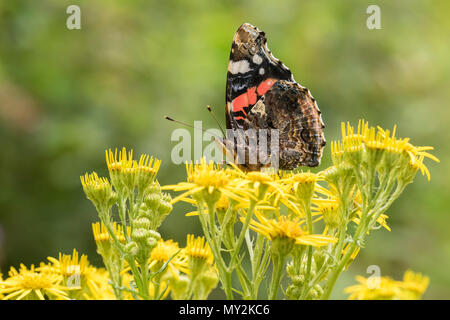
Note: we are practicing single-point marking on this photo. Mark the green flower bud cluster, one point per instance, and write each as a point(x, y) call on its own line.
point(156, 206)
point(141, 207)
point(297, 270)
point(200, 287)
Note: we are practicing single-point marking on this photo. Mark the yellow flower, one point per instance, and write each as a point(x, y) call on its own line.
point(223, 205)
point(146, 170)
point(165, 250)
point(283, 227)
point(403, 145)
point(198, 248)
point(124, 171)
point(117, 162)
point(77, 272)
point(206, 181)
point(98, 190)
point(384, 288)
point(415, 283)
point(101, 289)
point(302, 182)
point(351, 148)
point(32, 285)
point(378, 144)
point(298, 190)
point(101, 234)
point(331, 213)
point(255, 184)
point(376, 288)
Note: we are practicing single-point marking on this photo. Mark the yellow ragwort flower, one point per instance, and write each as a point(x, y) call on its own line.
point(124, 171)
point(283, 227)
point(302, 184)
point(384, 288)
point(102, 289)
point(101, 233)
point(257, 183)
point(119, 161)
point(98, 190)
point(32, 285)
point(330, 212)
point(169, 249)
point(206, 180)
point(415, 283)
point(77, 271)
point(95, 182)
point(198, 248)
point(355, 143)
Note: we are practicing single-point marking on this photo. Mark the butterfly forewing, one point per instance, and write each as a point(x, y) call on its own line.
point(252, 70)
point(261, 93)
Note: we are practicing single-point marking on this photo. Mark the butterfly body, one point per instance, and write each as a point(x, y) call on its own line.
point(261, 93)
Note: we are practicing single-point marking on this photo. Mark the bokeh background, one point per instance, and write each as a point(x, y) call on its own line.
point(67, 95)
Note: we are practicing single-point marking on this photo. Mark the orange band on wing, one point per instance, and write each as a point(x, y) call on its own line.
point(251, 96)
point(240, 102)
point(265, 86)
point(251, 93)
point(244, 100)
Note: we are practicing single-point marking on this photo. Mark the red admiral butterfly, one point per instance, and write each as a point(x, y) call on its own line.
point(261, 93)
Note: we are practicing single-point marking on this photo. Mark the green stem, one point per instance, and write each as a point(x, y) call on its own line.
point(337, 271)
point(136, 274)
point(306, 285)
point(242, 234)
point(224, 272)
point(116, 277)
point(145, 278)
point(123, 217)
point(307, 208)
point(359, 235)
point(278, 262)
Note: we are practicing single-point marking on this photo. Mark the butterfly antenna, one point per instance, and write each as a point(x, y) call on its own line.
point(190, 126)
point(218, 123)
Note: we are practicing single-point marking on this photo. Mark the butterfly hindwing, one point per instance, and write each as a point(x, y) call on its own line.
point(252, 70)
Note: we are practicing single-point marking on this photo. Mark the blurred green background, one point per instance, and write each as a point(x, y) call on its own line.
point(67, 95)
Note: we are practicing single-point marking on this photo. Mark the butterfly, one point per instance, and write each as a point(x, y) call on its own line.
point(262, 96)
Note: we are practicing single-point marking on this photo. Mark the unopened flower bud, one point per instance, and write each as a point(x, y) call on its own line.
point(140, 234)
point(154, 234)
point(293, 292)
point(151, 242)
point(153, 200)
point(154, 188)
point(298, 280)
point(131, 248)
point(142, 222)
point(164, 207)
point(99, 191)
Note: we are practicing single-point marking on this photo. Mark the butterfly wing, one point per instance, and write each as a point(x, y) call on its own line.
point(252, 71)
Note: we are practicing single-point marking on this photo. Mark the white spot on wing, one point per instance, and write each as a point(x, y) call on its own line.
point(241, 66)
point(257, 59)
point(261, 71)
